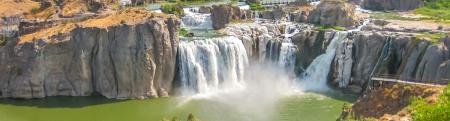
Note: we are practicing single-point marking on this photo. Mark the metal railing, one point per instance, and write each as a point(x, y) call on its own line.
point(399, 79)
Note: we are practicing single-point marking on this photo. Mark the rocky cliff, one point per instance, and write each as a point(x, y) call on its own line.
point(223, 14)
point(334, 13)
point(127, 55)
point(374, 53)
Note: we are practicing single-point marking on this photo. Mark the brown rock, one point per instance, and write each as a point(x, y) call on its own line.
point(334, 13)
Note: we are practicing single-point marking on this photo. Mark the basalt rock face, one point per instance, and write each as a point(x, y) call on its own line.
point(311, 44)
point(221, 15)
point(334, 13)
point(375, 53)
point(255, 37)
point(390, 5)
point(123, 61)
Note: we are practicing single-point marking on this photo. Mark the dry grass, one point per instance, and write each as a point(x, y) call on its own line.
point(63, 28)
point(73, 7)
point(129, 16)
point(45, 14)
point(391, 102)
point(10, 7)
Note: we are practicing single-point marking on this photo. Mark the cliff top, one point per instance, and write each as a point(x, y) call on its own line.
point(129, 16)
point(11, 7)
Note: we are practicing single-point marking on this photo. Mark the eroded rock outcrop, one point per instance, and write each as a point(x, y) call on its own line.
point(375, 53)
point(255, 37)
point(223, 14)
point(334, 13)
point(277, 13)
point(129, 58)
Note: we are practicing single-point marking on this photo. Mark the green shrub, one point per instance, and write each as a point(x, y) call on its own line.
point(435, 38)
point(440, 111)
point(176, 9)
point(183, 32)
point(115, 6)
point(2, 41)
point(325, 27)
point(439, 10)
point(256, 7)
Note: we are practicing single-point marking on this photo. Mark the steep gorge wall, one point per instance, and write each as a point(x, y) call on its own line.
point(123, 61)
point(397, 54)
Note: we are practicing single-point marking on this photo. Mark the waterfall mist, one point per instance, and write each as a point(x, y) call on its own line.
point(217, 70)
point(265, 84)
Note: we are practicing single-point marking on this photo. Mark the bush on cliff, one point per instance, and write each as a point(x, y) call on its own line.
point(256, 7)
point(434, 38)
point(176, 9)
point(439, 111)
point(324, 28)
point(183, 32)
point(2, 41)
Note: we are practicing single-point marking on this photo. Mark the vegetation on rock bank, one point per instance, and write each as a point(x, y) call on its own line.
point(324, 28)
point(435, 38)
point(256, 7)
point(439, 10)
point(438, 111)
point(176, 9)
point(393, 102)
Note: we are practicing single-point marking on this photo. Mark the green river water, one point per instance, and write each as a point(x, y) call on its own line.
point(299, 107)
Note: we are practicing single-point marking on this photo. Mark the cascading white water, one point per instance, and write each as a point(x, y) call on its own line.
point(288, 50)
point(211, 65)
point(315, 76)
point(195, 20)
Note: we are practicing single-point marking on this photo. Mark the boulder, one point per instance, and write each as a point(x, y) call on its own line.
point(334, 13)
point(204, 9)
point(223, 14)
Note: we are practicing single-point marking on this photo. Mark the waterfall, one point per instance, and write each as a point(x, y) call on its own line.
point(315, 76)
point(384, 56)
point(257, 16)
point(288, 50)
point(196, 20)
point(273, 49)
point(210, 65)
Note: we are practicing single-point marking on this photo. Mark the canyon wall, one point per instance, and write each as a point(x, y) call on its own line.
point(121, 61)
point(381, 53)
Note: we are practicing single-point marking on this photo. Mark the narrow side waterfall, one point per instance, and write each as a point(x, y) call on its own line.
point(196, 20)
point(211, 65)
point(382, 59)
point(315, 76)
